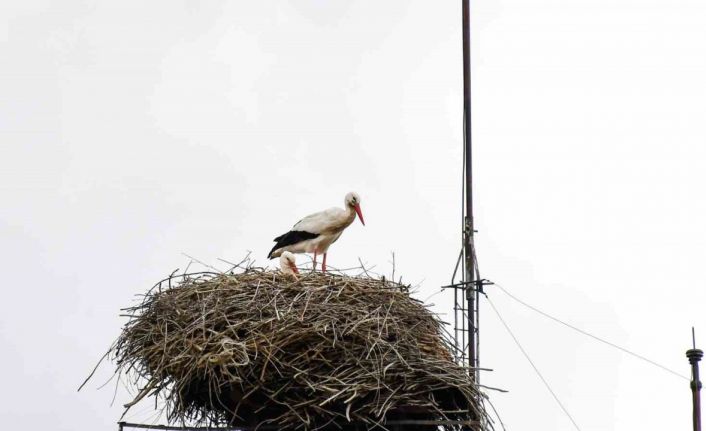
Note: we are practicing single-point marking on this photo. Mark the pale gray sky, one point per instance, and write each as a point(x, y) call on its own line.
point(133, 131)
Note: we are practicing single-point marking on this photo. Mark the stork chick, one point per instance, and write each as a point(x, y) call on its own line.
point(316, 232)
point(288, 264)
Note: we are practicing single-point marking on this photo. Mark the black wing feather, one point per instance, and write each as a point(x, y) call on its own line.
point(291, 237)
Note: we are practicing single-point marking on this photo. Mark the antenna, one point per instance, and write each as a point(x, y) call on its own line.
point(468, 227)
point(695, 356)
point(469, 262)
point(466, 291)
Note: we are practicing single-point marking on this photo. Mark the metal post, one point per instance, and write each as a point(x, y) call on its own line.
point(469, 262)
point(695, 356)
point(456, 353)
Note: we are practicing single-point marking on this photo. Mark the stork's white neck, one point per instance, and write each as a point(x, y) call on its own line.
point(350, 215)
point(342, 220)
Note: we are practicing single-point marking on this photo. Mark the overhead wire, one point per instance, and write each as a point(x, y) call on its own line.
point(536, 370)
point(588, 334)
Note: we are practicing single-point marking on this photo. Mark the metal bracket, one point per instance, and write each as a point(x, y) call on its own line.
point(466, 285)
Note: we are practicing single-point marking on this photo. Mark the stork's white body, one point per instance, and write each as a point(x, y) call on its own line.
point(328, 225)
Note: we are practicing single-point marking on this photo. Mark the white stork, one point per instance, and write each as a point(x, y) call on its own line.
point(316, 232)
point(288, 264)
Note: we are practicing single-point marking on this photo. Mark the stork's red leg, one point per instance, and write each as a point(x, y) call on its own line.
point(314, 267)
point(323, 265)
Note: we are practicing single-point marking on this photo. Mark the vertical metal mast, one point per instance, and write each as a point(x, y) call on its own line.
point(695, 356)
point(468, 231)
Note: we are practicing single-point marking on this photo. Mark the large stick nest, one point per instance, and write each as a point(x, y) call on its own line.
point(263, 348)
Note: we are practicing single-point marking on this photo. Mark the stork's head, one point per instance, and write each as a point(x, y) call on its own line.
point(353, 201)
point(288, 263)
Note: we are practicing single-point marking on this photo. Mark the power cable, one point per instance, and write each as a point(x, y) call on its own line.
point(595, 337)
point(536, 370)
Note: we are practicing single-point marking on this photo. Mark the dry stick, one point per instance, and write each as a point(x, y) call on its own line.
point(393, 266)
point(362, 266)
point(204, 264)
point(115, 391)
point(143, 393)
point(237, 265)
point(95, 368)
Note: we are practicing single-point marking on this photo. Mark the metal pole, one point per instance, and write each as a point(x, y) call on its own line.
point(695, 356)
point(456, 355)
point(469, 262)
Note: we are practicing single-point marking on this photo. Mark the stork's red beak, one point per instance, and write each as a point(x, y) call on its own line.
point(294, 268)
point(360, 213)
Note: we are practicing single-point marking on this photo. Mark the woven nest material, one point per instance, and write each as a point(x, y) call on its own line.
point(261, 348)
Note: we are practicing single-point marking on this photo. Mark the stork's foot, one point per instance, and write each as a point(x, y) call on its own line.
point(323, 265)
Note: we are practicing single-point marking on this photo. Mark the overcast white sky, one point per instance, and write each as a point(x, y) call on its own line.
point(133, 131)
